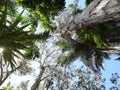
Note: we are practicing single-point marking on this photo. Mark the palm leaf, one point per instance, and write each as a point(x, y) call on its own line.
point(3, 17)
point(21, 28)
point(99, 42)
point(32, 52)
point(18, 45)
point(14, 39)
point(18, 48)
point(16, 22)
point(8, 57)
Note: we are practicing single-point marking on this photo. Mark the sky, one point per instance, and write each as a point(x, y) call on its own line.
point(111, 66)
point(81, 3)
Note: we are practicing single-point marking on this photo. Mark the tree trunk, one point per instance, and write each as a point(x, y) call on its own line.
point(1, 70)
point(38, 80)
point(98, 12)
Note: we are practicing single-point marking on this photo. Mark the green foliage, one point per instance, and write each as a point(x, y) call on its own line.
point(91, 42)
point(21, 86)
point(99, 58)
point(14, 39)
point(10, 4)
point(8, 87)
point(99, 42)
point(46, 9)
point(63, 44)
point(88, 2)
point(62, 61)
point(84, 34)
point(70, 51)
point(17, 42)
point(96, 36)
point(33, 52)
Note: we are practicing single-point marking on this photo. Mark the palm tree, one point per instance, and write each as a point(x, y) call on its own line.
point(90, 44)
point(14, 39)
point(17, 41)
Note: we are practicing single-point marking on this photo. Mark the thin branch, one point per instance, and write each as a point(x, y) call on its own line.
point(50, 72)
point(49, 55)
point(41, 55)
point(10, 72)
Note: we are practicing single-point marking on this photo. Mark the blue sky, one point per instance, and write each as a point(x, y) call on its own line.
point(81, 3)
point(111, 65)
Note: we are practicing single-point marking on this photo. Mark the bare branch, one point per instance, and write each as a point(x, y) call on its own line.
point(9, 73)
point(49, 55)
point(50, 72)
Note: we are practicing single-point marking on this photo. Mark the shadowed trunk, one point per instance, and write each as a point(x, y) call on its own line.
point(1, 70)
point(38, 79)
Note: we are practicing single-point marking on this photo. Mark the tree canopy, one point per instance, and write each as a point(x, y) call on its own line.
point(85, 35)
point(45, 9)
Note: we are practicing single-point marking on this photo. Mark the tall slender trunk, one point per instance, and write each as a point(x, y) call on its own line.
point(38, 80)
point(1, 70)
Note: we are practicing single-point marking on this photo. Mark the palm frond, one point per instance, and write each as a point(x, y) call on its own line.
point(8, 57)
point(3, 17)
point(15, 40)
point(16, 22)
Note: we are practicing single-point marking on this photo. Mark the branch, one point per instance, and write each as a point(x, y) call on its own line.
point(49, 54)
point(38, 79)
point(50, 72)
point(10, 72)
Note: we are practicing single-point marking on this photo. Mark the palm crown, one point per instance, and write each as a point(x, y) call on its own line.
point(15, 40)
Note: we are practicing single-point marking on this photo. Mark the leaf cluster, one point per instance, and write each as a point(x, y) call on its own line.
point(91, 42)
point(45, 9)
point(14, 39)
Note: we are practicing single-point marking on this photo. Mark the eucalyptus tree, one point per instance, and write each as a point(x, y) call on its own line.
point(84, 40)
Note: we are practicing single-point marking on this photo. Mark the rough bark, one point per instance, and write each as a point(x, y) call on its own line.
point(99, 11)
